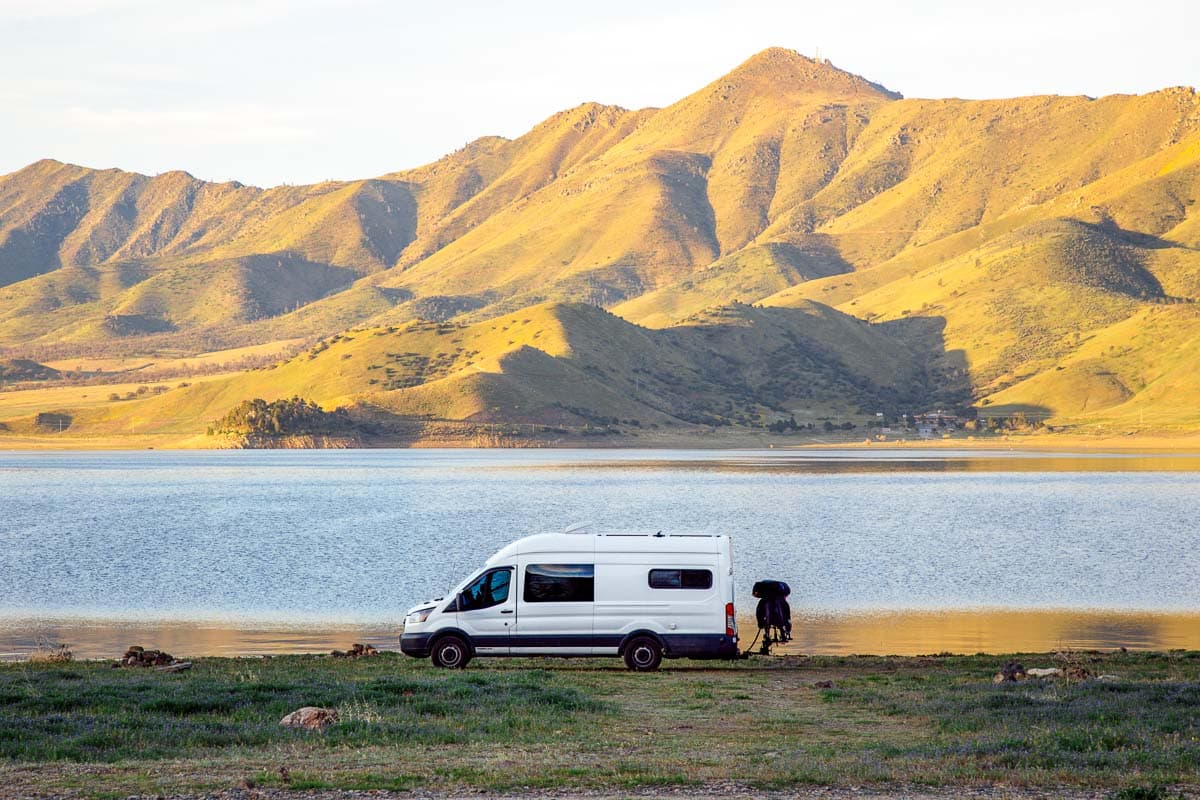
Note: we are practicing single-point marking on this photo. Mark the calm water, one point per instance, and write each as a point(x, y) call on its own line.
point(900, 551)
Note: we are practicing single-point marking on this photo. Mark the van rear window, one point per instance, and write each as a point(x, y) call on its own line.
point(560, 583)
point(680, 579)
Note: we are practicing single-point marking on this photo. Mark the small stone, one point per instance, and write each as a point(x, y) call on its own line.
point(312, 718)
point(1012, 671)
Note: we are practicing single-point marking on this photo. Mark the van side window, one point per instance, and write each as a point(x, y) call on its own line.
point(560, 583)
point(680, 579)
point(489, 589)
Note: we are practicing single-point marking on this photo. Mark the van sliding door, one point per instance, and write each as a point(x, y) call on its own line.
point(555, 612)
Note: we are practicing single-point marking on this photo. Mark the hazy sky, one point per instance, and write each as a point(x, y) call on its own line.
point(274, 91)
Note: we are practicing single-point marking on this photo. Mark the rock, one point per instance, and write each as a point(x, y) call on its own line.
point(356, 651)
point(311, 718)
point(1108, 677)
point(823, 685)
point(1012, 671)
point(141, 657)
point(1043, 672)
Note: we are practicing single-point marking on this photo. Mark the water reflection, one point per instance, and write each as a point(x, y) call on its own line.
point(874, 460)
point(993, 631)
point(883, 633)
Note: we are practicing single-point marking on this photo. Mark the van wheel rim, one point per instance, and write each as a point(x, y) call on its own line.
point(451, 655)
point(643, 656)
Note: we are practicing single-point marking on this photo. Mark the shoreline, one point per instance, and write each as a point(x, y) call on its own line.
point(1045, 442)
point(900, 632)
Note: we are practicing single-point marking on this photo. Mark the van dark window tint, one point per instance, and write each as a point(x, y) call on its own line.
point(489, 589)
point(680, 579)
point(560, 583)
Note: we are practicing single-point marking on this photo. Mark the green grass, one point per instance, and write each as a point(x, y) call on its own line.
point(532, 724)
point(81, 713)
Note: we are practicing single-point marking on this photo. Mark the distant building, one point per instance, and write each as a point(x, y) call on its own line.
point(936, 419)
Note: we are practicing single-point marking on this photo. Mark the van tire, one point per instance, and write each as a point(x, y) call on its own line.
point(450, 652)
point(643, 654)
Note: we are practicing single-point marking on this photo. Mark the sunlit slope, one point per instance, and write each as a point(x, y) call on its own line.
point(1142, 373)
point(464, 189)
point(1021, 315)
point(925, 169)
point(573, 365)
point(923, 181)
point(92, 304)
point(56, 215)
point(687, 185)
point(173, 253)
point(749, 274)
point(987, 241)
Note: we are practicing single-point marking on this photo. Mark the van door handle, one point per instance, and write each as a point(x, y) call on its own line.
point(506, 611)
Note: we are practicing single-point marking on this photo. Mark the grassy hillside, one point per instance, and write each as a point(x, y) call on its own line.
point(993, 245)
point(573, 367)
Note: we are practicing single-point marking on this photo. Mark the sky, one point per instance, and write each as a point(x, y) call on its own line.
point(298, 91)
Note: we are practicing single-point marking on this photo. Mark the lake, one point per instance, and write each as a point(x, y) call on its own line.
point(898, 551)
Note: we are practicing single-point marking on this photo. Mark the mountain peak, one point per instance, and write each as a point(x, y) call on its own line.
point(790, 70)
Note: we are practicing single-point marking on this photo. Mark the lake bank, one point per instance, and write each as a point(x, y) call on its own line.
point(784, 725)
point(479, 437)
point(902, 633)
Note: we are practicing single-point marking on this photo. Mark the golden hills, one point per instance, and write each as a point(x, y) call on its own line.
point(1037, 254)
point(573, 366)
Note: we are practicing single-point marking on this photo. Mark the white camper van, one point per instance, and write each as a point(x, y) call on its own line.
point(640, 596)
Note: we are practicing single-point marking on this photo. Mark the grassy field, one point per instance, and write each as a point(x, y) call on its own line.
point(766, 724)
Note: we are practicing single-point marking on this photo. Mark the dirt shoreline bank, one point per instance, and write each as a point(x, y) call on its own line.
point(1061, 443)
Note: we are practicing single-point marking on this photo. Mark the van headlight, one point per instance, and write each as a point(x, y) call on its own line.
point(418, 616)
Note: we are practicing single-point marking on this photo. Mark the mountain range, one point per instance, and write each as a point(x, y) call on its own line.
point(789, 240)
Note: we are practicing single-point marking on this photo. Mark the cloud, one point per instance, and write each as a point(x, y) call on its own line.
point(217, 125)
point(59, 9)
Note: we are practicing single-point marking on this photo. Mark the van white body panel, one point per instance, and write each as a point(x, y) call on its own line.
point(579, 594)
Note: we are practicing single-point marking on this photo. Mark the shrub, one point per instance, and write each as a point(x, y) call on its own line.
point(295, 416)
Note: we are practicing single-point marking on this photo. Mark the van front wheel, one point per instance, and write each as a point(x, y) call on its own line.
point(643, 654)
point(450, 652)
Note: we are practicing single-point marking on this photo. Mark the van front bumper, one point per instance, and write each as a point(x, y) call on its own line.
point(415, 644)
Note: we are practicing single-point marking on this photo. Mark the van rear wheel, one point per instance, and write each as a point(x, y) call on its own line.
point(450, 652)
point(643, 654)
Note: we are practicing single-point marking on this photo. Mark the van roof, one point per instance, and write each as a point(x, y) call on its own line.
point(612, 542)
